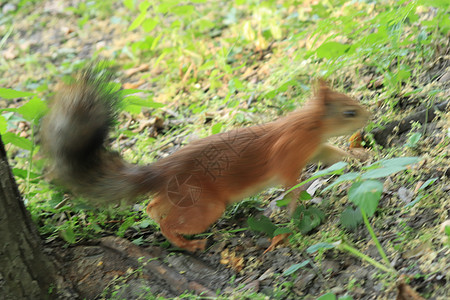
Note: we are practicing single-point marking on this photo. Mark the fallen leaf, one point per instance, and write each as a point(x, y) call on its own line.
point(356, 140)
point(189, 70)
point(67, 30)
point(315, 185)
point(418, 185)
point(135, 85)
point(417, 251)
point(231, 260)
point(10, 53)
point(443, 225)
point(277, 240)
point(129, 72)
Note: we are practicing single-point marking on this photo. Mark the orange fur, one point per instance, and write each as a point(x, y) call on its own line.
point(193, 186)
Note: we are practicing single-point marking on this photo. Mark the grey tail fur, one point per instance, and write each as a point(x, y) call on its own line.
point(73, 135)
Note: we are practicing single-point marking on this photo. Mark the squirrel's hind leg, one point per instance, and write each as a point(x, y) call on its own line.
point(176, 221)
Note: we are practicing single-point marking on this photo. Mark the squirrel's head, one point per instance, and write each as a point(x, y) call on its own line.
point(341, 114)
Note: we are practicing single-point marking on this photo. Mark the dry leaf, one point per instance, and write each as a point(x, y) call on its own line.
point(356, 140)
point(231, 260)
point(129, 72)
point(277, 240)
point(443, 225)
point(135, 85)
point(67, 30)
point(10, 53)
point(417, 251)
point(418, 185)
point(188, 71)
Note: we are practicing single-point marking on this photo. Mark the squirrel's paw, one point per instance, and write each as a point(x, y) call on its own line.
point(195, 245)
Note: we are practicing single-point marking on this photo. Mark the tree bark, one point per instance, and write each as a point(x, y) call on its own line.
point(25, 271)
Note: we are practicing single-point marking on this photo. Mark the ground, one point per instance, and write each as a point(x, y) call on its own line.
point(219, 66)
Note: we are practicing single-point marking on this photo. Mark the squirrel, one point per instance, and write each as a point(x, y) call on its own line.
point(192, 187)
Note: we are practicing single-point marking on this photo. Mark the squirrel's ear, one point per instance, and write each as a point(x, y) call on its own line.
point(322, 90)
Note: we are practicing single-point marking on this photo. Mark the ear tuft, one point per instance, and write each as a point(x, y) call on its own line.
point(322, 90)
point(323, 84)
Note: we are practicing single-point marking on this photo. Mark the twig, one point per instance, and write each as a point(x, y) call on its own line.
point(427, 115)
point(176, 281)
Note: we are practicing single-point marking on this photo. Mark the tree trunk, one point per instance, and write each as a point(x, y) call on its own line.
point(25, 271)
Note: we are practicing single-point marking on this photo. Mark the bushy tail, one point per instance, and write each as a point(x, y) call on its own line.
point(73, 134)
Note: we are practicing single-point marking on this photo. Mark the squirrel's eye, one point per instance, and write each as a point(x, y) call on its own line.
point(349, 113)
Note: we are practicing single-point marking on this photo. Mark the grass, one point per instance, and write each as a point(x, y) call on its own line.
point(214, 66)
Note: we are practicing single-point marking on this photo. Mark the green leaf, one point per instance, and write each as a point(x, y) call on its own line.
point(183, 10)
point(144, 5)
point(345, 177)
point(337, 168)
point(283, 202)
point(306, 219)
point(366, 194)
point(21, 173)
point(414, 139)
point(327, 296)
point(139, 241)
point(156, 41)
point(286, 85)
point(135, 104)
point(127, 92)
point(399, 161)
point(129, 4)
point(262, 224)
point(204, 24)
point(333, 169)
point(13, 94)
point(33, 110)
point(447, 230)
point(125, 225)
point(345, 297)
point(282, 230)
point(292, 269)
point(138, 21)
point(351, 218)
point(145, 223)
point(402, 75)
point(235, 85)
point(331, 50)
point(18, 141)
point(427, 183)
point(68, 235)
point(414, 202)
point(149, 24)
point(319, 246)
point(391, 166)
point(435, 3)
point(304, 196)
point(3, 124)
point(216, 128)
point(382, 172)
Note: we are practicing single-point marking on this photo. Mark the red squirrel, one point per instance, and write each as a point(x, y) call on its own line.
point(192, 187)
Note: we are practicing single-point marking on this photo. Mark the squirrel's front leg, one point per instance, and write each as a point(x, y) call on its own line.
point(329, 154)
point(326, 154)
